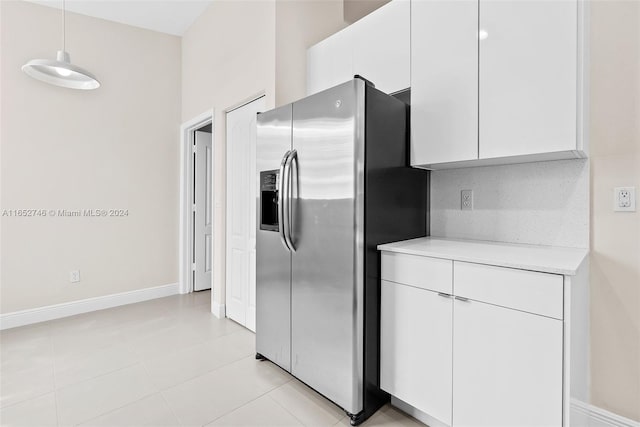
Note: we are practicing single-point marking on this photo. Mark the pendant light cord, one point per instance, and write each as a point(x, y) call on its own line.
point(64, 26)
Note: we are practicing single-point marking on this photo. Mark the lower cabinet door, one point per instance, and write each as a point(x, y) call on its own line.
point(416, 348)
point(507, 367)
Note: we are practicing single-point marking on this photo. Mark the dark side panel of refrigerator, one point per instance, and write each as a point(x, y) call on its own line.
point(396, 206)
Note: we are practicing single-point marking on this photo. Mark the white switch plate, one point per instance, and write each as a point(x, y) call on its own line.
point(466, 200)
point(74, 276)
point(624, 199)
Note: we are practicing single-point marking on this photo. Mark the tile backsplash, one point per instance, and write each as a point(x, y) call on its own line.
point(544, 203)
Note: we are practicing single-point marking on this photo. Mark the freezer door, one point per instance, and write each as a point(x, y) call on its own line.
point(273, 261)
point(327, 216)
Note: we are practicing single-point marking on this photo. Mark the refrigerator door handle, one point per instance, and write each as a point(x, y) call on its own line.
point(281, 200)
point(293, 155)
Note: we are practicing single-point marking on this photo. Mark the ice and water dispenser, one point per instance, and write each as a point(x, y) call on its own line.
point(269, 200)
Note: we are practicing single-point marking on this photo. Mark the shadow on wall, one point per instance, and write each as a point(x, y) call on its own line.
point(613, 320)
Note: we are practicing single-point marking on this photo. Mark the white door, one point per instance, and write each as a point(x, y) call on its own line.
point(507, 367)
point(528, 62)
point(444, 81)
point(242, 184)
point(202, 211)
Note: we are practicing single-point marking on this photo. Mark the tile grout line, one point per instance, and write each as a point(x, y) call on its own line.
point(27, 399)
point(55, 379)
point(244, 404)
point(126, 404)
point(321, 396)
point(39, 395)
point(99, 376)
point(282, 406)
point(203, 373)
point(173, 411)
point(115, 409)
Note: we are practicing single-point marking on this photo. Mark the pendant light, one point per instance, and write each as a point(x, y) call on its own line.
point(61, 72)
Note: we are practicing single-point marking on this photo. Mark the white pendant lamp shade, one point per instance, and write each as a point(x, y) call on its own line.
point(61, 72)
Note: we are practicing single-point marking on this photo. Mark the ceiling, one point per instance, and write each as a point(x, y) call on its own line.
point(168, 16)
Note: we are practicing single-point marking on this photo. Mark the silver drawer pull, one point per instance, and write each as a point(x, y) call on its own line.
point(442, 294)
point(463, 299)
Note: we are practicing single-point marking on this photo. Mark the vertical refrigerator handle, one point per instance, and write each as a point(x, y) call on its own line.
point(281, 198)
point(293, 155)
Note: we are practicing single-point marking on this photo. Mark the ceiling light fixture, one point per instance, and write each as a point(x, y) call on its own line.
point(61, 72)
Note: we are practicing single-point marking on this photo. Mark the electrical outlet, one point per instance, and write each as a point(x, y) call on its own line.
point(624, 199)
point(74, 276)
point(466, 200)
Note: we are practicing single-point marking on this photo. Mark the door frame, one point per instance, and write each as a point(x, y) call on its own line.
point(186, 195)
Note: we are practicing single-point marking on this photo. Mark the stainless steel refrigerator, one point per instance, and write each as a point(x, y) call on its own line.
point(333, 185)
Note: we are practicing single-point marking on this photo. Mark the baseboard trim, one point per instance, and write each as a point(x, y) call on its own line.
point(598, 417)
point(218, 310)
point(582, 415)
point(57, 311)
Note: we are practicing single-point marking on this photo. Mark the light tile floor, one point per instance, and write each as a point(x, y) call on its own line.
point(166, 362)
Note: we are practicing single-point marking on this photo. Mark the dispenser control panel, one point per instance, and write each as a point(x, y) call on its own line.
point(269, 200)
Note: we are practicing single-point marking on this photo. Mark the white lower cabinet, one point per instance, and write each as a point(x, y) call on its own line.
point(507, 367)
point(417, 371)
point(488, 352)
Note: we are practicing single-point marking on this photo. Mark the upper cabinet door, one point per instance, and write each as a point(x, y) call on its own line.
point(528, 69)
point(330, 62)
point(375, 47)
point(444, 81)
point(382, 42)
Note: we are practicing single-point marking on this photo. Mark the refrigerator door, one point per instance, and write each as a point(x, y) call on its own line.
point(327, 230)
point(273, 260)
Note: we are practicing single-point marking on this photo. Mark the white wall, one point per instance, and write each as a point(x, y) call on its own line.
point(300, 24)
point(545, 203)
point(115, 147)
point(615, 236)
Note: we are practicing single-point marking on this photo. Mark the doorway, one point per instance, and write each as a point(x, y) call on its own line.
point(242, 184)
point(196, 204)
point(202, 208)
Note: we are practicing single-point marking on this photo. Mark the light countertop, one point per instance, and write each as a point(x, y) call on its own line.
point(548, 259)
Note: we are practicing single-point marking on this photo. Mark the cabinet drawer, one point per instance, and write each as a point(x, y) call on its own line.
point(534, 292)
point(423, 272)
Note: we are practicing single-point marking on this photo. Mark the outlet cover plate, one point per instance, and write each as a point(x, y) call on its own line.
point(466, 200)
point(74, 276)
point(624, 199)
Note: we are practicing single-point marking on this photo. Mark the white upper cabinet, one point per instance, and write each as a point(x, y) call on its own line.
point(496, 81)
point(377, 47)
point(444, 81)
point(527, 77)
point(330, 62)
point(382, 46)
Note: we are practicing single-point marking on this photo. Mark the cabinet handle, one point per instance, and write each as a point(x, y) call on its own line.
point(442, 294)
point(463, 299)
